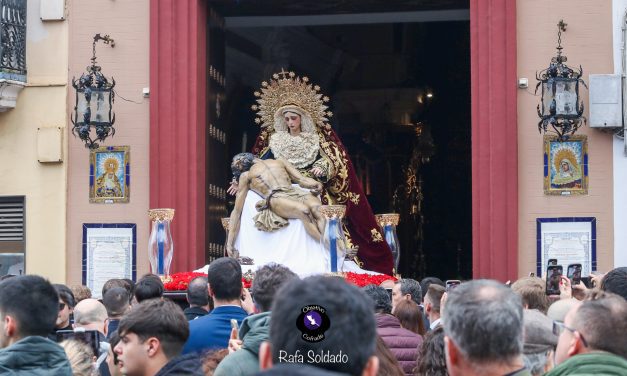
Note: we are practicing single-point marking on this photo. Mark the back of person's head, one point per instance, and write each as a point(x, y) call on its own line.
point(388, 365)
point(89, 311)
point(225, 278)
point(428, 281)
point(379, 297)
point(212, 359)
point(268, 280)
point(80, 356)
point(558, 310)
point(532, 291)
point(160, 319)
point(410, 316)
point(32, 302)
point(496, 314)
point(130, 285)
point(411, 287)
point(431, 359)
point(149, 286)
point(65, 294)
point(116, 301)
point(81, 292)
point(116, 282)
point(197, 294)
point(615, 281)
point(539, 341)
point(603, 324)
point(434, 296)
point(352, 329)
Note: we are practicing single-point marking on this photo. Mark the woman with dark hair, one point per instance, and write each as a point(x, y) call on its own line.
point(431, 359)
point(410, 315)
point(388, 365)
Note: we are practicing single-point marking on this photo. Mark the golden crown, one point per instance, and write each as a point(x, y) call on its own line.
point(564, 153)
point(287, 89)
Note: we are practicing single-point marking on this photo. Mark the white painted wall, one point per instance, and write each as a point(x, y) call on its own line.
point(620, 158)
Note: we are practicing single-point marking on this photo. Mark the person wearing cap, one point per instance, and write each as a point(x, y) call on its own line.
point(592, 340)
point(539, 342)
point(558, 310)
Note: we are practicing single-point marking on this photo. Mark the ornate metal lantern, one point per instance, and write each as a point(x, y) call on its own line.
point(561, 107)
point(94, 102)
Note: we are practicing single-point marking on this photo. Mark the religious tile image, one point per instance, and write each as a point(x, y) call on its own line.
point(566, 166)
point(109, 174)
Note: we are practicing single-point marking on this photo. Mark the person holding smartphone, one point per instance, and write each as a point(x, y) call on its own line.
point(243, 358)
point(213, 331)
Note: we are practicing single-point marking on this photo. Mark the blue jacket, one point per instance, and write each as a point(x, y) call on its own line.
point(213, 330)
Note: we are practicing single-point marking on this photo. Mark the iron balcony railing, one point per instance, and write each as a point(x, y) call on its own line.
point(13, 40)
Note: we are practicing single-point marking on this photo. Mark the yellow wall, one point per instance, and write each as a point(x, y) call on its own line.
point(42, 103)
point(587, 42)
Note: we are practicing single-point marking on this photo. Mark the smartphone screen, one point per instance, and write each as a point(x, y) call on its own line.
point(90, 337)
point(552, 262)
point(452, 283)
point(574, 273)
point(553, 278)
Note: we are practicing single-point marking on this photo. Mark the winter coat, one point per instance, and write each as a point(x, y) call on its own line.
point(184, 365)
point(594, 363)
point(34, 356)
point(254, 330)
point(404, 344)
point(192, 313)
point(213, 331)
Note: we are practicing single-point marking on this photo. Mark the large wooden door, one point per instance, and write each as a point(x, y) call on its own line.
point(217, 160)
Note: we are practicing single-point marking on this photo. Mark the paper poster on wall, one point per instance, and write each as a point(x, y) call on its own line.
point(109, 251)
point(569, 240)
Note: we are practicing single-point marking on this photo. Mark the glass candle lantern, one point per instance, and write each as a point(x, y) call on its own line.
point(160, 244)
point(333, 238)
point(388, 223)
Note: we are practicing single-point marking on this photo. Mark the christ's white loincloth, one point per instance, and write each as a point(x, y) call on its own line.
point(290, 246)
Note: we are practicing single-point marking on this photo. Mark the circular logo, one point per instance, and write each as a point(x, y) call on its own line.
point(313, 322)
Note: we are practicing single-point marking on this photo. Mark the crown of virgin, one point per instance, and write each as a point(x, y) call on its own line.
point(286, 89)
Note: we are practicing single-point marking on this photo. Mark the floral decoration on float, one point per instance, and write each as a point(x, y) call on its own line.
point(180, 281)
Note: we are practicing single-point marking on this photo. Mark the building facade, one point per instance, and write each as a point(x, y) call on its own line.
point(168, 47)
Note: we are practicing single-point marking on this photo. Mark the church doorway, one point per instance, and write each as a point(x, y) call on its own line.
point(398, 76)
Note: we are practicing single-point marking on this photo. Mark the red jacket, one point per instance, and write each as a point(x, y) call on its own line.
point(403, 343)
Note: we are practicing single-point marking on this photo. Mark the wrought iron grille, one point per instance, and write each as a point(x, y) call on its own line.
point(13, 36)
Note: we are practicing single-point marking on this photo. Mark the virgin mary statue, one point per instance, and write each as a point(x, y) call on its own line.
point(294, 127)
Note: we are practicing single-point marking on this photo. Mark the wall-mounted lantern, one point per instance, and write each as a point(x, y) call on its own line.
point(94, 102)
point(561, 107)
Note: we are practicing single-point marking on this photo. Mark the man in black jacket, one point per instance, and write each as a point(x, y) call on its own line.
point(198, 298)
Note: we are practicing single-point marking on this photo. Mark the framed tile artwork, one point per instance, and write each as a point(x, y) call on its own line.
point(566, 166)
point(109, 174)
point(569, 240)
point(109, 251)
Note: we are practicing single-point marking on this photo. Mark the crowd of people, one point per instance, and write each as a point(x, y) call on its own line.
point(319, 325)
